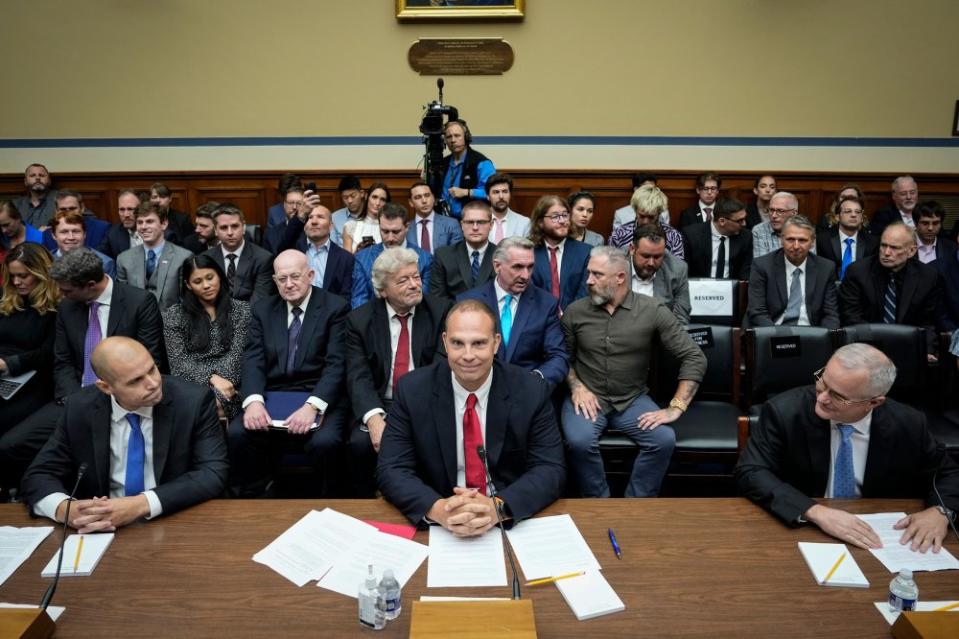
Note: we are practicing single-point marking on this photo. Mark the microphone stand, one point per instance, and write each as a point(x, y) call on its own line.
point(48, 595)
point(481, 451)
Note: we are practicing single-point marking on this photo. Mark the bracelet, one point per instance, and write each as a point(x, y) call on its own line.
point(678, 403)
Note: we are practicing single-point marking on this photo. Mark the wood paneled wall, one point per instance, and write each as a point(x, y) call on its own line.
point(255, 192)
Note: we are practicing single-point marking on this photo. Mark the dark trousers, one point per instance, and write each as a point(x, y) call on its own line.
point(29, 424)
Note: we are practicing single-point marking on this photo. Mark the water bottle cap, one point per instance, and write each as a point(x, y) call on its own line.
point(905, 573)
point(388, 574)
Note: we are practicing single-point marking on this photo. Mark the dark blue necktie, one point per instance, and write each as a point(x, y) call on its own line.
point(136, 451)
point(475, 266)
point(889, 301)
point(293, 340)
point(151, 263)
point(844, 473)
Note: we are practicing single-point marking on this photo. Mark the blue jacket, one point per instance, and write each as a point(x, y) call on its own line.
point(444, 232)
point(363, 272)
point(572, 271)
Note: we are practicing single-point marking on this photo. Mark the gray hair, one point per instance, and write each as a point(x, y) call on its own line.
point(900, 179)
point(908, 230)
point(882, 372)
point(390, 261)
point(614, 256)
point(786, 195)
point(800, 221)
point(79, 267)
point(516, 242)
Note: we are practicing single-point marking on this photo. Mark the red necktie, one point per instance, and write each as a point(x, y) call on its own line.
point(554, 271)
point(401, 364)
point(473, 437)
point(425, 236)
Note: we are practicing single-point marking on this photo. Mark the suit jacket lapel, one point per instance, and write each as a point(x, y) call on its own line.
point(332, 262)
point(817, 438)
point(163, 266)
point(100, 423)
point(497, 415)
point(380, 327)
point(486, 266)
point(810, 277)
point(164, 416)
point(523, 310)
point(464, 260)
point(906, 289)
point(837, 247)
point(279, 331)
point(444, 420)
point(880, 449)
point(420, 333)
point(138, 270)
point(779, 275)
point(308, 329)
point(117, 303)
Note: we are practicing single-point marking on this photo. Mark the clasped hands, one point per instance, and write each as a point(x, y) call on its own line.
point(925, 529)
point(255, 417)
point(104, 514)
point(467, 513)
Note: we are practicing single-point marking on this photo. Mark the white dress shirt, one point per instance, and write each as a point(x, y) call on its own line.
point(119, 436)
point(238, 252)
point(481, 251)
point(860, 450)
point(103, 311)
point(641, 286)
point(790, 268)
point(908, 219)
point(395, 328)
point(501, 300)
point(716, 235)
point(460, 396)
point(842, 244)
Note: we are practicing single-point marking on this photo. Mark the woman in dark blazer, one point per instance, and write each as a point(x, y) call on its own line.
point(206, 332)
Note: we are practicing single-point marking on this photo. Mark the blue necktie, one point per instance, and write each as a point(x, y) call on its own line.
point(136, 450)
point(889, 301)
point(475, 266)
point(506, 319)
point(844, 474)
point(846, 257)
point(294, 340)
point(151, 263)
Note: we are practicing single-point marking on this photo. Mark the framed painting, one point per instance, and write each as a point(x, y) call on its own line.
point(460, 9)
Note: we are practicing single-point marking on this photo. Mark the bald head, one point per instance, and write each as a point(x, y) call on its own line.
point(293, 276)
point(290, 258)
point(126, 371)
point(113, 350)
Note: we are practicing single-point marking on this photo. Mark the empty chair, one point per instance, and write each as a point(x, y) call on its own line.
point(906, 346)
point(782, 357)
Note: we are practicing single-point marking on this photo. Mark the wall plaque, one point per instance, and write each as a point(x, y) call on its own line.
point(460, 56)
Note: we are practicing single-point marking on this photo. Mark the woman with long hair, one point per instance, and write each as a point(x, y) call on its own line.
point(581, 205)
point(356, 233)
point(27, 327)
point(206, 332)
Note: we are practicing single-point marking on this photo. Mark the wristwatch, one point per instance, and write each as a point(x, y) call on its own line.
point(949, 513)
point(678, 403)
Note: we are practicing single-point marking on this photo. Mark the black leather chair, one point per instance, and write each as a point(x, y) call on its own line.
point(779, 358)
point(906, 347)
point(254, 233)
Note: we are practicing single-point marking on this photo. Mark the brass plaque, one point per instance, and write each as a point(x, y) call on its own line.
point(461, 56)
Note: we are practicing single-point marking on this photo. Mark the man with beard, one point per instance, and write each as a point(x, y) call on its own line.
point(656, 273)
point(608, 385)
point(203, 236)
point(386, 338)
point(506, 221)
point(39, 204)
point(905, 196)
point(430, 230)
point(560, 262)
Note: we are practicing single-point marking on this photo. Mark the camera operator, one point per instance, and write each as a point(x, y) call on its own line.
point(465, 170)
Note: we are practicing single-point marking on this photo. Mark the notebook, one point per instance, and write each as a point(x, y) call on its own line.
point(590, 595)
point(281, 404)
point(94, 547)
point(822, 558)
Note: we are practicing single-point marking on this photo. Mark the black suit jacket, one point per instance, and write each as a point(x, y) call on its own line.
point(883, 218)
point(189, 450)
point(319, 367)
point(787, 458)
point(115, 241)
point(768, 297)
point(133, 313)
point(254, 272)
point(830, 246)
point(338, 278)
point(417, 461)
point(179, 226)
point(699, 252)
point(947, 263)
point(451, 272)
point(752, 215)
point(369, 356)
point(691, 215)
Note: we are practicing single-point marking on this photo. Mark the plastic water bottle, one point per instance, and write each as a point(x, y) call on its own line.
point(391, 595)
point(371, 611)
point(903, 592)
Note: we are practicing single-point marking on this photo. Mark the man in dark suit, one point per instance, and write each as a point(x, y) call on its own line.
point(393, 228)
point(793, 286)
point(905, 196)
point(468, 263)
point(152, 445)
point(248, 267)
point(707, 189)
point(429, 465)
point(180, 226)
point(383, 343)
point(529, 321)
point(560, 263)
point(310, 231)
point(933, 245)
point(293, 204)
point(430, 230)
point(203, 237)
point(892, 287)
point(294, 347)
point(656, 273)
point(720, 249)
point(122, 236)
point(844, 439)
point(847, 242)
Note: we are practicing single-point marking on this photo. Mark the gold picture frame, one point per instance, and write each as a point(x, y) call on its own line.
point(460, 9)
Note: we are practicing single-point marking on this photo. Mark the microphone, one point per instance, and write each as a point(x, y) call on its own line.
point(481, 451)
point(48, 595)
point(439, 85)
point(941, 449)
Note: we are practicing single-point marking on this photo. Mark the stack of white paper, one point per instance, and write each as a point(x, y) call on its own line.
point(832, 565)
point(551, 546)
point(590, 595)
point(895, 556)
point(16, 546)
point(94, 547)
point(465, 561)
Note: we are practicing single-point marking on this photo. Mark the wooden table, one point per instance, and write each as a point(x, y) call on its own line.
point(690, 568)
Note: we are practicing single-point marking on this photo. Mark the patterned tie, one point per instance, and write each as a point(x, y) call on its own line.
point(90, 341)
point(721, 259)
point(506, 319)
point(475, 267)
point(425, 236)
point(844, 474)
point(794, 305)
point(293, 340)
point(151, 263)
point(889, 302)
point(473, 437)
point(231, 269)
point(499, 224)
point(846, 258)
point(401, 364)
point(136, 451)
point(709, 213)
point(553, 271)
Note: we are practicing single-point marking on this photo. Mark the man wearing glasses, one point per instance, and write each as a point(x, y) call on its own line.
point(560, 265)
point(720, 249)
point(468, 263)
point(707, 188)
point(843, 439)
point(767, 237)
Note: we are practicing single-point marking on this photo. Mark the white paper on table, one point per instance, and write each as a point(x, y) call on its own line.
point(307, 549)
point(402, 556)
point(53, 612)
point(921, 606)
point(590, 595)
point(465, 561)
point(551, 546)
point(16, 546)
point(895, 556)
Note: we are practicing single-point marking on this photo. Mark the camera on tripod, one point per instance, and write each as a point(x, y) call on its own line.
point(432, 129)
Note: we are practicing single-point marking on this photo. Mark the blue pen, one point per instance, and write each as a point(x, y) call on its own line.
point(612, 540)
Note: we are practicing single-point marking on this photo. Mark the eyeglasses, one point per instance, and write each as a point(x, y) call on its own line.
point(475, 222)
point(283, 279)
point(780, 212)
point(558, 217)
point(740, 221)
point(709, 189)
point(833, 395)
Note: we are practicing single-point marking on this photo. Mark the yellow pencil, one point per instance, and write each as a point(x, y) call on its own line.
point(955, 604)
point(834, 567)
point(76, 560)
point(549, 580)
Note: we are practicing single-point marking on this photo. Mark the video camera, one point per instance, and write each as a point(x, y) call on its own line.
point(432, 129)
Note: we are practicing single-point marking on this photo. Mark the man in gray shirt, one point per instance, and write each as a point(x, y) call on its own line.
point(609, 336)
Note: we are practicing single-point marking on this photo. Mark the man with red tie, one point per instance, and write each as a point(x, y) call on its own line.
point(386, 338)
point(429, 464)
